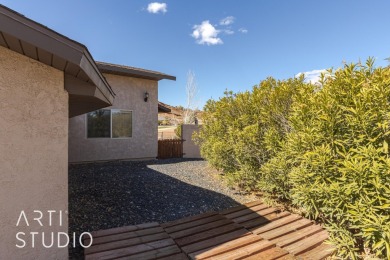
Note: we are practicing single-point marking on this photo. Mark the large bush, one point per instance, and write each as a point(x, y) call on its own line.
point(323, 148)
point(243, 131)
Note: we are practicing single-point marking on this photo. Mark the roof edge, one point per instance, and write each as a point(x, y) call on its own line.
point(163, 108)
point(43, 37)
point(122, 70)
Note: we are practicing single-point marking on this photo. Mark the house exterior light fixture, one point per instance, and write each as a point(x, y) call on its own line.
point(146, 96)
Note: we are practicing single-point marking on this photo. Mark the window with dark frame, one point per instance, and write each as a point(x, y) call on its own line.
point(106, 123)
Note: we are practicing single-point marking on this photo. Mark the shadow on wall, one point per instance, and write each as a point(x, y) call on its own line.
point(107, 195)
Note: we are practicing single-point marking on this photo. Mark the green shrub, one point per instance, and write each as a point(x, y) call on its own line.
point(243, 131)
point(178, 130)
point(324, 148)
point(338, 154)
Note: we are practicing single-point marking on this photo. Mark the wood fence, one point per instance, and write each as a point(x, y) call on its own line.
point(170, 148)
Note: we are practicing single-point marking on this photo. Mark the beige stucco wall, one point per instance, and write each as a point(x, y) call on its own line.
point(143, 143)
point(33, 153)
point(190, 149)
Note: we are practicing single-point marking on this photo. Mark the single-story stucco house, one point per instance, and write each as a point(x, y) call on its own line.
point(47, 80)
point(128, 128)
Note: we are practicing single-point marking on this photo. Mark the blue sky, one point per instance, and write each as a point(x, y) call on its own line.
point(227, 44)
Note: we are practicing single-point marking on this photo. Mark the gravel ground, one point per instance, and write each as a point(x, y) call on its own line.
point(112, 194)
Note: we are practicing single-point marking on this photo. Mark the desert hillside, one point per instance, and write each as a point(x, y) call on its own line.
point(174, 117)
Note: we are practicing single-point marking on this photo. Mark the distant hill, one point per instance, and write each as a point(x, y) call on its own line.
point(178, 111)
point(175, 116)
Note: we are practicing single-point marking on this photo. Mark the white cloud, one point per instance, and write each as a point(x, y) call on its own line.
point(156, 8)
point(312, 76)
point(243, 30)
point(206, 33)
point(227, 20)
point(228, 31)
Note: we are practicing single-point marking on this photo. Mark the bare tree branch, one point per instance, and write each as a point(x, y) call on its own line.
point(191, 102)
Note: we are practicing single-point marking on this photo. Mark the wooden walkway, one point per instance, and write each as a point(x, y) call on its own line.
point(249, 231)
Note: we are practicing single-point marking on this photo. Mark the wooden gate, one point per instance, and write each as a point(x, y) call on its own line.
point(170, 148)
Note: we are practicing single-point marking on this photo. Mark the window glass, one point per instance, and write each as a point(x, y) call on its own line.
point(121, 124)
point(99, 124)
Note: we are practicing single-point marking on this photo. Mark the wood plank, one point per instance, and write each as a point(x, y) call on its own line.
point(297, 235)
point(241, 207)
point(194, 223)
point(207, 234)
point(320, 252)
point(245, 251)
point(283, 230)
point(125, 243)
point(233, 209)
point(154, 254)
point(127, 235)
point(214, 241)
point(253, 203)
point(131, 250)
point(180, 256)
point(254, 215)
point(202, 228)
point(306, 244)
point(288, 257)
point(258, 222)
point(276, 224)
point(212, 236)
point(269, 254)
point(170, 148)
point(228, 246)
point(188, 219)
point(106, 232)
point(246, 211)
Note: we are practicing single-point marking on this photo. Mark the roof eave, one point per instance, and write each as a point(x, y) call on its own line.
point(163, 109)
point(38, 42)
point(132, 72)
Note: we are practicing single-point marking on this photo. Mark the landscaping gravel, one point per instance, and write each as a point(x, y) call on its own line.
point(112, 194)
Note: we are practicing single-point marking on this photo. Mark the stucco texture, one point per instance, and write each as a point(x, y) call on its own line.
point(143, 143)
point(190, 149)
point(33, 153)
